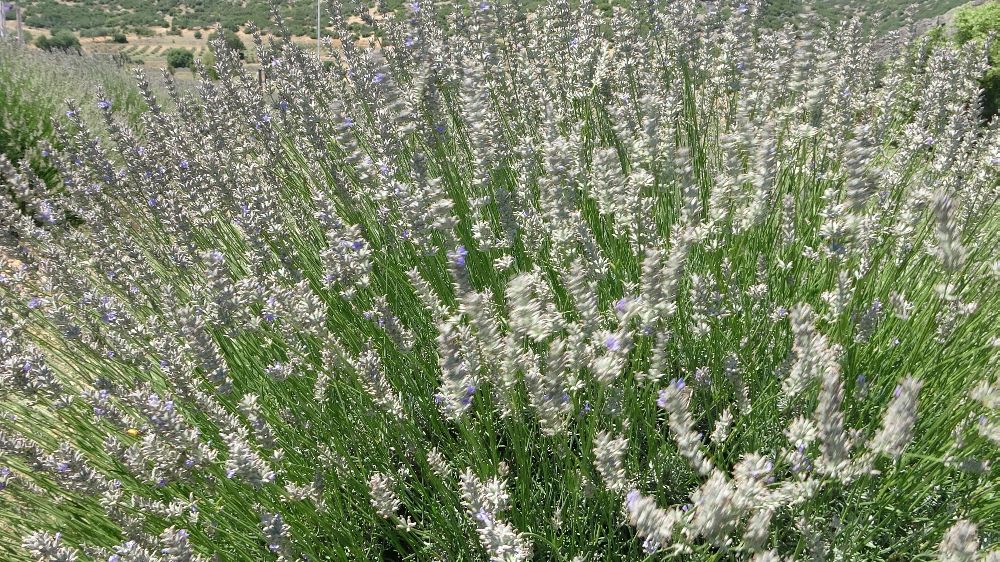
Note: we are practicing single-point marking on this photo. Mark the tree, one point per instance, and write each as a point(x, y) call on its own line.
point(119, 37)
point(180, 58)
point(233, 42)
point(197, 34)
point(60, 40)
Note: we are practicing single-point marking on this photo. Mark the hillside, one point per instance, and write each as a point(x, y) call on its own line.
point(101, 17)
point(886, 14)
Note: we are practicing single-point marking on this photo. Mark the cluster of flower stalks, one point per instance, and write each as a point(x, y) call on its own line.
point(508, 286)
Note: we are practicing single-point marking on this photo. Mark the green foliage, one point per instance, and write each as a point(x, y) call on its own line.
point(197, 34)
point(208, 59)
point(61, 40)
point(119, 37)
point(95, 32)
point(979, 23)
point(179, 58)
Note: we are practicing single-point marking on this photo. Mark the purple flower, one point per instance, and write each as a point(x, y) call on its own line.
point(34, 303)
point(283, 105)
point(109, 316)
point(632, 497)
point(184, 165)
point(679, 384)
point(266, 118)
point(71, 113)
point(458, 256)
point(62, 467)
point(613, 343)
point(45, 153)
point(379, 78)
point(103, 104)
point(742, 8)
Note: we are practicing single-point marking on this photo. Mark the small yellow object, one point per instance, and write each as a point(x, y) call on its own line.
point(132, 431)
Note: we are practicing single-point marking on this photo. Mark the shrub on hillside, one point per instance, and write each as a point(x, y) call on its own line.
point(979, 24)
point(179, 58)
point(60, 40)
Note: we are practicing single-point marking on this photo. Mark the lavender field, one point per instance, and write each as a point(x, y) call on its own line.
point(511, 286)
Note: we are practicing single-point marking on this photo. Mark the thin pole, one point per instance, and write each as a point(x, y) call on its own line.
point(319, 41)
point(20, 34)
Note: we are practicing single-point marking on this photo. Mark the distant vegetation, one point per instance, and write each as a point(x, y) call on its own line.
point(93, 16)
point(61, 40)
point(885, 14)
point(180, 58)
point(83, 15)
point(977, 23)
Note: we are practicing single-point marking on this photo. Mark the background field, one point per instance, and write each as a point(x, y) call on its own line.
point(92, 17)
point(152, 27)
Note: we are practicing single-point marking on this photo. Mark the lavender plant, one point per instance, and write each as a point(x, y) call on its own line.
point(516, 286)
point(33, 88)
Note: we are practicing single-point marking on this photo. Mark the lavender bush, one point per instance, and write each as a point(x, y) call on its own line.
point(516, 287)
point(33, 87)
